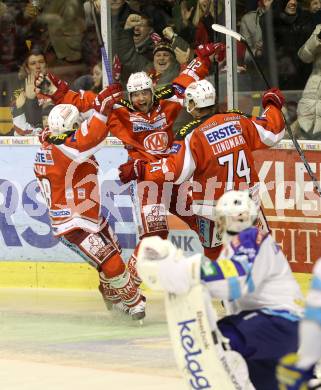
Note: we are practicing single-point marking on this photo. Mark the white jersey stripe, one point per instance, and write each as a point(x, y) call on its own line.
point(189, 163)
point(267, 137)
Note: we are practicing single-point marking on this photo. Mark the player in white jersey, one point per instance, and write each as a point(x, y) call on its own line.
point(251, 275)
point(296, 370)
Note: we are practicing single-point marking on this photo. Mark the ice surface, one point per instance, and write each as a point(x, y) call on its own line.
point(65, 339)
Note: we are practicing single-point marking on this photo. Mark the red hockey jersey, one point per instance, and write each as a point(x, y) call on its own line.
point(217, 152)
point(67, 176)
point(145, 136)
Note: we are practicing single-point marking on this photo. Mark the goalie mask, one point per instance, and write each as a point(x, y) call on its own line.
point(139, 81)
point(202, 93)
point(62, 118)
point(235, 211)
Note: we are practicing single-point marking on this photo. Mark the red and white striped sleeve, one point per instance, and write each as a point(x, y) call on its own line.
point(267, 130)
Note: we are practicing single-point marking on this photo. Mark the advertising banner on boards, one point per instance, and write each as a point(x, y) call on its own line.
point(291, 207)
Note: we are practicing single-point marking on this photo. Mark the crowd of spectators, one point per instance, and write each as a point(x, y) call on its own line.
point(159, 37)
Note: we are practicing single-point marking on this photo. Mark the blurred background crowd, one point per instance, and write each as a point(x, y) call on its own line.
point(160, 37)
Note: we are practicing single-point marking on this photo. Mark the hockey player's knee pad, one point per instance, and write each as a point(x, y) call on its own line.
point(114, 266)
point(95, 248)
point(154, 220)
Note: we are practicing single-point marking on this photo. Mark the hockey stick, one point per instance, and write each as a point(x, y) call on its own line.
point(101, 44)
point(216, 67)
point(133, 185)
point(199, 346)
point(226, 31)
point(202, 353)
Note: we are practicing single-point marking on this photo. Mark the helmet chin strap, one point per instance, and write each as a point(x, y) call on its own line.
point(188, 109)
point(229, 232)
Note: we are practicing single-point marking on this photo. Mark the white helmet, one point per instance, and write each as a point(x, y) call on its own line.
point(235, 211)
point(63, 117)
point(138, 82)
point(202, 93)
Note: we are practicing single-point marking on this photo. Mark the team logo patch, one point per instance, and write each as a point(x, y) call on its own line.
point(81, 193)
point(97, 247)
point(175, 148)
point(155, 218)
point(156, 142)
point(208, 268)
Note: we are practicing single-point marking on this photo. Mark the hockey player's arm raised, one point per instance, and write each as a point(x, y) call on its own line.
point(196, 70)
point(85, 141)
point(59, 91)
point(268, 129)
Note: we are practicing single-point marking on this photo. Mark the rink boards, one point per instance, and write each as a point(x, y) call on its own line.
point(31, 257)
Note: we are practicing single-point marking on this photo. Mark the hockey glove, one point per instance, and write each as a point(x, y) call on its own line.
point(105, 100)
point(156, 38)
point(289, 376)
point(207, 50)
point(163, 266)
point(131, 170)
point(195, 70)
point(44, 134)
point(49, 85)
point(274, 97)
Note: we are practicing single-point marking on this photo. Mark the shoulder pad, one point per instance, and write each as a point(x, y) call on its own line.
point(125, 103)
point(188, 128)
point(60, 138)
point(234, 111)
point(165, 92)
point(238, 112)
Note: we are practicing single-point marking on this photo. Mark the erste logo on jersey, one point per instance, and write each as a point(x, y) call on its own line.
point(142, 124)
point(223, 132)
point(44, 157)
point(156, 143)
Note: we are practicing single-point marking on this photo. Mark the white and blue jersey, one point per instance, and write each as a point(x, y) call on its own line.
point(310, 326)
point(252, 273)
point(254, 277)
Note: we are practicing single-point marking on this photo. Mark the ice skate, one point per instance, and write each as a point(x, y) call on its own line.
point(137, 312)
point(120, 307)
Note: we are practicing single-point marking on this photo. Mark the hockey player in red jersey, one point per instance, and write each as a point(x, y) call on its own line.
point(216, 150)
point(67, 171)
point(144, 124)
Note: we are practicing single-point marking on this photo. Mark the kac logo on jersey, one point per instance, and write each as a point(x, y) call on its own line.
point(156, 143)
point(44, 157)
